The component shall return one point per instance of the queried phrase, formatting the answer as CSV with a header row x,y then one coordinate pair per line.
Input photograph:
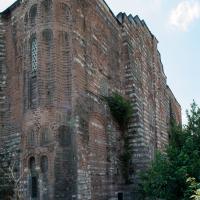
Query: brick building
x,y
57,57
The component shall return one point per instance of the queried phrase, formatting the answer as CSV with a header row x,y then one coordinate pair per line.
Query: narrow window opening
x,y
34,179
64,136
31,138
34,187
120,196
44,136
44,164
33,14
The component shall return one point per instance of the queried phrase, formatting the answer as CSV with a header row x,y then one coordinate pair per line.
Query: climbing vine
x,y
121,111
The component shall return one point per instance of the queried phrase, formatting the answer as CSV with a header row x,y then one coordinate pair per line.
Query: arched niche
x,y
64,136
33,14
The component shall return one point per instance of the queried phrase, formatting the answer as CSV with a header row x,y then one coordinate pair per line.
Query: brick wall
x,y
70,145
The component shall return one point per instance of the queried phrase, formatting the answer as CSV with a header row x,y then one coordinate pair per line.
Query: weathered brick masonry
x,y
57,58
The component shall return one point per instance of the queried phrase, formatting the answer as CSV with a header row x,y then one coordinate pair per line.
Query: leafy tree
x,y
166,178
194,188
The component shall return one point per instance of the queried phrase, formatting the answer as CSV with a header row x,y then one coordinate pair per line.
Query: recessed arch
x,y
44,135
46,6
47,35
64,136
31,140
33,13
44,164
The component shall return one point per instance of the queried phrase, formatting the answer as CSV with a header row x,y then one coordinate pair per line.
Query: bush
x,y
167,177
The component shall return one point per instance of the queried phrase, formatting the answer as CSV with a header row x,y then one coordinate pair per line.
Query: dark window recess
x,y
64,135
84,126
33,179
1,67
32,165
33,13
34,187
44,136
120,196
49,97
44,164
31,138
47,35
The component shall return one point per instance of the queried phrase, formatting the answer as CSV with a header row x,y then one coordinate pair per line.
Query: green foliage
x,y
6,184
166,178
120,108
193,188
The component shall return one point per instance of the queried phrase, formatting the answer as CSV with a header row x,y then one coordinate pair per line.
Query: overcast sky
x,y
176,24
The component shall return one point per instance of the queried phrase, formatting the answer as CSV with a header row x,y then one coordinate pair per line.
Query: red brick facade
x,y
56,60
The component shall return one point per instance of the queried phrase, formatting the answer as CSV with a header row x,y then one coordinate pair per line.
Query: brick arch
x,y
33,14
45,135
65,13
46,6
31,137
97,115
32,163
47,35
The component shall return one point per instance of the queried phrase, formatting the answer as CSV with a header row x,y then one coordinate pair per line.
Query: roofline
x,y
173,95
17,3
111,12
10,8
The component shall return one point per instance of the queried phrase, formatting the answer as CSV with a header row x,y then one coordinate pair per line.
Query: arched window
x,y
44,136
47,35
44,164
65,13
34,55
33,13
32,165
31,137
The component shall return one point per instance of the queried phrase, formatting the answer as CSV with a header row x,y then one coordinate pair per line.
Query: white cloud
x,y
185,13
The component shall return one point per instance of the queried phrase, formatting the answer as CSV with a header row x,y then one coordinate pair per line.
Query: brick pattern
x,y
84,52
9,129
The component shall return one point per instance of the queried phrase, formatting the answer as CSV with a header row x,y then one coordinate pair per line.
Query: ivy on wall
x,y
121,111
